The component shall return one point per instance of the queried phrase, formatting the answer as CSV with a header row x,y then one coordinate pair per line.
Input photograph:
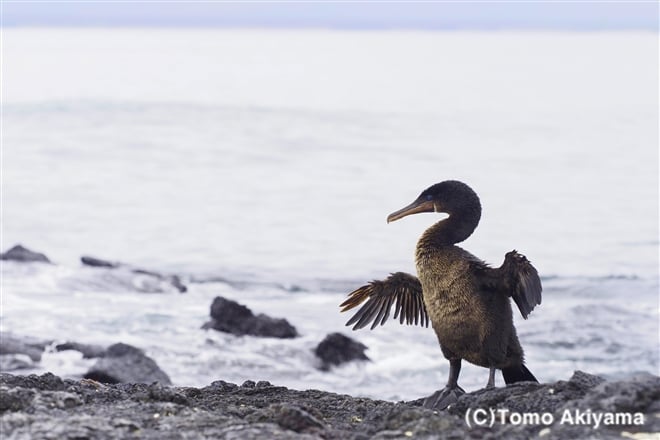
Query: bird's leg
x,y
454,371
441,399
491,378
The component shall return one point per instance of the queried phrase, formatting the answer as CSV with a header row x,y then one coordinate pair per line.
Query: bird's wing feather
x,y
401,288
516,278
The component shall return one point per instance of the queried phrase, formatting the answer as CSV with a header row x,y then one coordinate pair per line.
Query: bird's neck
x,y
454,229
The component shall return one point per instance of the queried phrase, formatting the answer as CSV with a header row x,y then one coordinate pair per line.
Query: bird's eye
x,y
429,197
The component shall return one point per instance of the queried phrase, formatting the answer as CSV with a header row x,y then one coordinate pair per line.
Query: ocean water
x,y
261,165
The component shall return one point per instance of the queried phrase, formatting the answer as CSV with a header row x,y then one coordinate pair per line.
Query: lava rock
x,y
31,347
292,417
48,407
147,281
97,262
88,351
25,255
124,363
231,317
337,349
18,353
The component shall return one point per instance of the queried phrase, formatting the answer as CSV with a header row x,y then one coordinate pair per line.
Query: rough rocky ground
x,y
47,407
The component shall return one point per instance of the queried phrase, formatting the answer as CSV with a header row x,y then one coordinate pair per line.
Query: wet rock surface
x,y
19,352
231,317
336,349
23,254
97,262
89,351
123,363
49,407
151,282
118,363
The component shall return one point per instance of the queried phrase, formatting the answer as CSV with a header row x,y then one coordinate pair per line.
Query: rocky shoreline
x,y
586,406
126,395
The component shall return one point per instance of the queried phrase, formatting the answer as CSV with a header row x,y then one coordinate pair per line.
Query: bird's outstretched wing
x,y
518,279
401,288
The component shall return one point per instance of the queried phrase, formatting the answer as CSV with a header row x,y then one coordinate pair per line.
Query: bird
x,y
467,302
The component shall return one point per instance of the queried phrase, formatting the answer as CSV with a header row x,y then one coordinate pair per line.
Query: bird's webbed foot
x,y
441,399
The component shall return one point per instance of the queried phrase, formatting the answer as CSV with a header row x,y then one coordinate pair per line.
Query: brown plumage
x,y
466,301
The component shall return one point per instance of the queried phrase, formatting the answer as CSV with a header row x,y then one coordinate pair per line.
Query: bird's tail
x,y
517,373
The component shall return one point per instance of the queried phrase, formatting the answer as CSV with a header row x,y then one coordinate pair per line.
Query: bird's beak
x,y
419,205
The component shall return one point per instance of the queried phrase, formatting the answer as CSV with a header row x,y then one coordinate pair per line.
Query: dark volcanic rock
x,y
19,352
529,396
231,317
12,344
157,278
97,262
88,351
19,253
49,407
124,363
337,349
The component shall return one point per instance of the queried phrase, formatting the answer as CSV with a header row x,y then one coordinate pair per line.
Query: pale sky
x,y
572,15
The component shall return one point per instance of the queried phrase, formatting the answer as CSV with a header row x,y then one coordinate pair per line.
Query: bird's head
x,y
450,197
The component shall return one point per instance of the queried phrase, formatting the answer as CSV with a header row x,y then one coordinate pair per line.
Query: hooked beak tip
x,y
415,207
